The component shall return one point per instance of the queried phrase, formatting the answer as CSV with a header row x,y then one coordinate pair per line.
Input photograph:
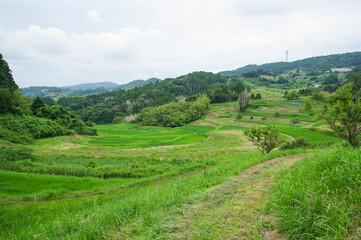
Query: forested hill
x,y
22,119
138,83
321,63
113,106
82,89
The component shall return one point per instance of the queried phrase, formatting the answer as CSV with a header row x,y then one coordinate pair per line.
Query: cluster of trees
x,y
105,107
176,113
257,96
22,119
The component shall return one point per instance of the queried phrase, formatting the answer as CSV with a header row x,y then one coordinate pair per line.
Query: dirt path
x,y
236,208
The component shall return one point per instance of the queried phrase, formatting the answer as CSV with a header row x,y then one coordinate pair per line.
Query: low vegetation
x,y
320,198
174,114
187,166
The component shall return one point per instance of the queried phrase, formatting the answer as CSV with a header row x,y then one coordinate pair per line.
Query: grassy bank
x,y
321,198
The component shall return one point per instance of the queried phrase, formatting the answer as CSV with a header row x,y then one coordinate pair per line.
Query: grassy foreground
x,y
130,180
135,212
321,197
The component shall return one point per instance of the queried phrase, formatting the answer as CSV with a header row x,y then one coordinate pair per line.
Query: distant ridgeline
x,y
114,106
322,63
82,89
22,120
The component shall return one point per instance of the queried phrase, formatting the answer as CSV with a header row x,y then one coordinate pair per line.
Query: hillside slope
x,y
321,63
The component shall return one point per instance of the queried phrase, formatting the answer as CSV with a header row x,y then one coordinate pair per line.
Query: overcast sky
x,y
67,42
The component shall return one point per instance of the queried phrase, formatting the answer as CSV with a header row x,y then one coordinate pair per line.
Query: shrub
x,y
13,154
239,116
295,121
264,139
91,164
297,143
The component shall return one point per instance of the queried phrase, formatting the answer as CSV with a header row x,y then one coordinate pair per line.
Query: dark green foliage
x,y
355,79
103,108
318,96
12,154
37,104
256,73
6,78
259,103
330,88
331,79
23,129
295,121
92,164
297,143
48,122
292,95
238,87
305,92
6,101
48,101
174,114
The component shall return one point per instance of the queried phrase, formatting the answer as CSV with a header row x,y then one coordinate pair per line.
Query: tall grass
x,y
321,197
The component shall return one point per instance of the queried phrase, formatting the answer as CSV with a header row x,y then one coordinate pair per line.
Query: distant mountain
x,y
87,86
138,83
43,91
82,89
321,63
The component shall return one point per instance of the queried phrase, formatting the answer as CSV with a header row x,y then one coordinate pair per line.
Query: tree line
x,y
22,119
104,108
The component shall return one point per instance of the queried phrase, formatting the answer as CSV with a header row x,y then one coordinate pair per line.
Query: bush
x,y
239,116
174,114
13,154
91,164
297,143
295,121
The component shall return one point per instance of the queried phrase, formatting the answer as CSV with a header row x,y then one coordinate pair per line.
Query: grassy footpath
x,y
233,209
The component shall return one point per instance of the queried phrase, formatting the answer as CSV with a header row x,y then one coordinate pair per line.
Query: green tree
x,y
6,101
37,104
264,139
292,95
343,115
6,78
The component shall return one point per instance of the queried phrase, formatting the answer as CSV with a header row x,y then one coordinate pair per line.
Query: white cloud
x,y
93,15
166,38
